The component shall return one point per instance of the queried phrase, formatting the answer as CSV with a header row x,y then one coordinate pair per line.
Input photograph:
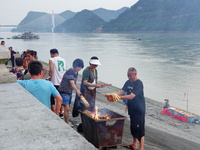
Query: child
x,y
19,70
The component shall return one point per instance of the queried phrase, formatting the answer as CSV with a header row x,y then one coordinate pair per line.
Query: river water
x,y
167,63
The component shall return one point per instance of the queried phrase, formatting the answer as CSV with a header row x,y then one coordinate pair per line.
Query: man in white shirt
x,y
2,46
57,68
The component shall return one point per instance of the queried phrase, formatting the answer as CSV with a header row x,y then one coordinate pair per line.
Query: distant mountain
x,y
67,14
41,22
158,15
108,15
84,21
31,16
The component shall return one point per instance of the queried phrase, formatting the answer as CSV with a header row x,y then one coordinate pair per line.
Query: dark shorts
x,y
52,98
66,98
137,126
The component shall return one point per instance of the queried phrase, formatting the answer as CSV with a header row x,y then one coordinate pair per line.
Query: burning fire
x,y
96,114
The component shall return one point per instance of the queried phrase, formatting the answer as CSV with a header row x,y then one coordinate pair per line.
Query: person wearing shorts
x,y
67,85
67,98
57,68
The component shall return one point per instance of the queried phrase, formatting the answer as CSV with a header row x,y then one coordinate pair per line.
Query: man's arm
x,y
85,82
44,71
127,97
58,103
51,66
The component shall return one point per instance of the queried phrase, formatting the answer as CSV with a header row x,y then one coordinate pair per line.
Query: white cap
x,y
95,62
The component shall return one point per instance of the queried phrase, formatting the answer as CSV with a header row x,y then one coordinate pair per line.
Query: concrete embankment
x,y
27,124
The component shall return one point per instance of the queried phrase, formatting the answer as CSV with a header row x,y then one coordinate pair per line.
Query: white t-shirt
x,y
58,70
3,48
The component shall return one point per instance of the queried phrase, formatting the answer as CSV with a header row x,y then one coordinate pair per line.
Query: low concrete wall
x,y
170,141
25,123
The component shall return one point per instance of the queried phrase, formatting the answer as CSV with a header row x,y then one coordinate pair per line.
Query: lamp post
x,y
186,95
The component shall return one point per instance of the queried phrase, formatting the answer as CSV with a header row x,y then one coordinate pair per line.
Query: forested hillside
x,y
158,15
108,15
84,21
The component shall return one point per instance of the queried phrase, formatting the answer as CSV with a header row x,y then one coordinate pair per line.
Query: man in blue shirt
x,y
39,88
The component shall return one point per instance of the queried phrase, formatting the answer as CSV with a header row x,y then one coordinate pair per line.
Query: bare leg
x,y
135,143
66,113
61,109
142,143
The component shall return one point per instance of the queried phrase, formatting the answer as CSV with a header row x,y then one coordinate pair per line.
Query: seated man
x,y
39,88
166,104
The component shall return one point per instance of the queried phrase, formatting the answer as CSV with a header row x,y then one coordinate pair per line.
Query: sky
x,y
13,11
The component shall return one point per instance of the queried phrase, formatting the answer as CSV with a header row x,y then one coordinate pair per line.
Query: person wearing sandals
x,y
136,107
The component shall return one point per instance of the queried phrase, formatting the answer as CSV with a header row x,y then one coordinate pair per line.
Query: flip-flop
x,y
129,147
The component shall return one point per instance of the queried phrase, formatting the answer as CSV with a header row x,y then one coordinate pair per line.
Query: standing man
x,y
136,107
40,88
57,68
12,57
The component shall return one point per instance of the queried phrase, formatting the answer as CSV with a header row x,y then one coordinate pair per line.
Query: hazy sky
x,y
13,11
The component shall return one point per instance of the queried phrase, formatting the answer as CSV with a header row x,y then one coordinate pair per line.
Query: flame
x,y
96,114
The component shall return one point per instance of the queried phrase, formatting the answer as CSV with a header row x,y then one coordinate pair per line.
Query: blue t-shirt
x,y
40,89
136,106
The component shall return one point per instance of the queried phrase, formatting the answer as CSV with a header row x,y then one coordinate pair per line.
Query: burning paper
x,y
96,114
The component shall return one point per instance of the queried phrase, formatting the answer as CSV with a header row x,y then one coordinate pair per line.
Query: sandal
x,y
129,147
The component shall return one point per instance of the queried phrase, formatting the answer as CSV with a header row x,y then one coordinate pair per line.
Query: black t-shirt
x,y
136,106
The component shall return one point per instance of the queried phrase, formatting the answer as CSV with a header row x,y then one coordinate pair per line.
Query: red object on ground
x,y
180,118
184,119
175,116
168,113
163,111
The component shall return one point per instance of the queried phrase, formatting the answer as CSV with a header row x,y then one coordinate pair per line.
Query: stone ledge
x,y
8,79
28,124
4,55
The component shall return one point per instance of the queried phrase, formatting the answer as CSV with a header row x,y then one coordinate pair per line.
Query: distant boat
x,y
26,35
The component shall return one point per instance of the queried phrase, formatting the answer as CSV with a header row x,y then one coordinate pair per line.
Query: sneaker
x,y
61,116
80,128
71,125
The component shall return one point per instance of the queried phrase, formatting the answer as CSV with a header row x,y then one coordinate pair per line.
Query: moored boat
x,y
26,35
